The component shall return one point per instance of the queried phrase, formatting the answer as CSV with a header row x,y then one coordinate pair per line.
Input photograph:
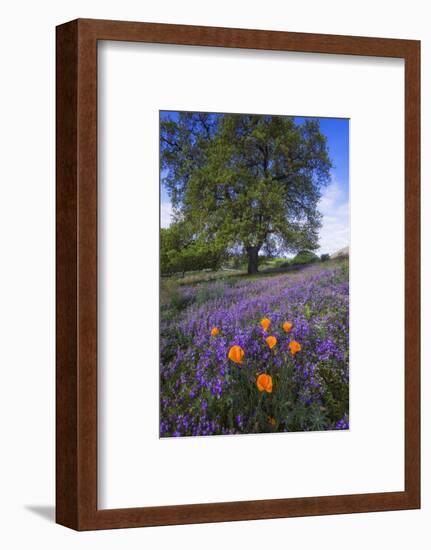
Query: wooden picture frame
x,y
76,208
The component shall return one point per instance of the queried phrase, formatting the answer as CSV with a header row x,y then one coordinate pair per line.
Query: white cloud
x,y
165,213
335,231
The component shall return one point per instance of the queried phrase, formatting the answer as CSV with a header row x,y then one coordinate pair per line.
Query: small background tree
x,y
180,252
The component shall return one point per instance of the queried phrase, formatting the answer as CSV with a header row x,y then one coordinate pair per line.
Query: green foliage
x,y
236,261
171,299
180,252
336,397
247,181
304,257
324,257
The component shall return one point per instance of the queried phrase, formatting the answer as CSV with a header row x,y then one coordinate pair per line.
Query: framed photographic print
x,y
238,274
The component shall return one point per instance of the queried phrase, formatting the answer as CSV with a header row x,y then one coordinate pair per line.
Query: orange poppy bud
x,y
271,341
294,347
215,331
264,382
236,354
265,323
287,327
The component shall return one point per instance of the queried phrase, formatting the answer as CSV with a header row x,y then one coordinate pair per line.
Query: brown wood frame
x,y
76,373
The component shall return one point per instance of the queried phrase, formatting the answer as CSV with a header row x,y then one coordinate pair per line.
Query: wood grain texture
x,y
412,275
67,479
76,457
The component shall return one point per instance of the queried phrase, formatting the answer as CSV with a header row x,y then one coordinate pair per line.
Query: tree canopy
x,y
248,182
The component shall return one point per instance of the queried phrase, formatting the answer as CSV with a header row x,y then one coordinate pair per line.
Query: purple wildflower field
x,y
206,389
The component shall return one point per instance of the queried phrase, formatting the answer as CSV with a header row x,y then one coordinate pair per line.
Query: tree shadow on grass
x,y
272,271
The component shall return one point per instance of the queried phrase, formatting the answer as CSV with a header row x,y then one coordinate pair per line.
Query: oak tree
x,y
248,181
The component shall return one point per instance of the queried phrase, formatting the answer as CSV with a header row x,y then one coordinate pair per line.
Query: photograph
x,y
254,274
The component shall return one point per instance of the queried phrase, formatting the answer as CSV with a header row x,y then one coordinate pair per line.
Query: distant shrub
x,y
304,257
281,262
324,257
179,252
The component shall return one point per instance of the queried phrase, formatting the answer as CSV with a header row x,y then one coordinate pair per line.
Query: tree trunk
x,y
252,252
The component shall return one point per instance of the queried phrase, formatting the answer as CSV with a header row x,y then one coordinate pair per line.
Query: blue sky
x,y
334,204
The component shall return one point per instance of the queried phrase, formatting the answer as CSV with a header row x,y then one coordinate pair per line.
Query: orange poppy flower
x,y
271,341
271,420
215,331
287,327
264,382
294,347
236,354
265,323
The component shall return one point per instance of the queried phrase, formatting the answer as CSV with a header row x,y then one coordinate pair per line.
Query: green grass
x,y
271,267
172,298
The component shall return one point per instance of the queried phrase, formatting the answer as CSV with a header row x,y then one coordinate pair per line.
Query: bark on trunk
x,y
252,252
